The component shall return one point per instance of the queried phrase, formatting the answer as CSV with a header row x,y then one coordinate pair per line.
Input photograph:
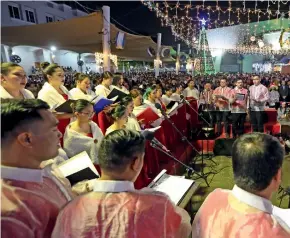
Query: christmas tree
x,y
203,62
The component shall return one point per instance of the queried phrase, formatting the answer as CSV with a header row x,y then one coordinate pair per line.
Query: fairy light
x,y
99,57
184,26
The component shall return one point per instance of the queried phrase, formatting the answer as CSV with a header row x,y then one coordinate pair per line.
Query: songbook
x,y
65,107
175,106
171,104
101,102
174,186
283,214
117,93
148,116
240,96
78,168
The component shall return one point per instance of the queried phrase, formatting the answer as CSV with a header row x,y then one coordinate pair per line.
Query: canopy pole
x,y
177,59
106,38
157,62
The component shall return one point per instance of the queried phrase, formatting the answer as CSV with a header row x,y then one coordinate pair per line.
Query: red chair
x,y
104,121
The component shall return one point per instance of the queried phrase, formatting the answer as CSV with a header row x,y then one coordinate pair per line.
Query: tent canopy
x,y
82,35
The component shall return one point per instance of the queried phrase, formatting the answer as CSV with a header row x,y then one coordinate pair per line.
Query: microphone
x,y
149,135
158,106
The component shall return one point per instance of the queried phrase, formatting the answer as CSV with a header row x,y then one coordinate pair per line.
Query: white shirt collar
x,y
111,186
253,200
22,174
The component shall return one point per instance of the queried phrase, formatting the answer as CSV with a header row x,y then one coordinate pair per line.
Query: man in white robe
x,y
31,197
115,208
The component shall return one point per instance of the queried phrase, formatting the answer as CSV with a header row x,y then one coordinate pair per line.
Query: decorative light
x,y
100,58
217,52
261,43
53,48
253,38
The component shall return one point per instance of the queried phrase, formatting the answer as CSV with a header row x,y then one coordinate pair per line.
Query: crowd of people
x,y
37,201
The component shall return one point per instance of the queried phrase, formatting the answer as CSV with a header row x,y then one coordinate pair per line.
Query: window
x,y
30,16
14,12
49,19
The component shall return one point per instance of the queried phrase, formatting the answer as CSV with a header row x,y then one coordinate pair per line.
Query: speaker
x,y
223,147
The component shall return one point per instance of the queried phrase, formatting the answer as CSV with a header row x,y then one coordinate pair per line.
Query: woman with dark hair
x,y
159,99
104,89
13,82
54,93
118,82
83,87
150,98
120,117
83,134
132,122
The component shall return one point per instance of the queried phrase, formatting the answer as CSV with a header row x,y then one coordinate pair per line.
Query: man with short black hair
x,y
31,197
115,208
246,210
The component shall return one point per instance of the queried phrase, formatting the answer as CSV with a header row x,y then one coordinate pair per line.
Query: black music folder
x,y
65,107
115,92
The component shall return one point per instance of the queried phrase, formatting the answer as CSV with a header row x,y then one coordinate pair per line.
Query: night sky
x,y
139,19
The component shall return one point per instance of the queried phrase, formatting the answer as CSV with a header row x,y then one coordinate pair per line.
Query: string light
x,y
99,57
184,27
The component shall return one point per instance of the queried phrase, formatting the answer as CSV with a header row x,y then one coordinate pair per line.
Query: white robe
x,y
50,95
152,105
191,93
101,90
75,142
139,109
166,100
26,93
79,94
175,97
132,124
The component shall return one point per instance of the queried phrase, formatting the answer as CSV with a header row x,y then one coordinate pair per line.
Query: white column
x,y
106,38
177,59
157,64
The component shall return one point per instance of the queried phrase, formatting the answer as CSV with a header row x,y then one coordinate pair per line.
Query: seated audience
x,y
13,82
115,208
83,134
31,197
246,210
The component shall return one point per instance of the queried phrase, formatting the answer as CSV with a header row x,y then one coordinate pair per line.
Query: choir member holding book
x,y
13,82
115,207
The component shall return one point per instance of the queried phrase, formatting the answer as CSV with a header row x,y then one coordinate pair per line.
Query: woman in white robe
x,y
104,89
13,82
139,106
120,117
54,93
118,82
83,134
132,123
82,89
150,99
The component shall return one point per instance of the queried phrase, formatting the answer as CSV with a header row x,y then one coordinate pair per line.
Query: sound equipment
x,y
223,146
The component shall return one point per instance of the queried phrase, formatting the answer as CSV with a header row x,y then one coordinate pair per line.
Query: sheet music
x,y
283,214
76,164
174,187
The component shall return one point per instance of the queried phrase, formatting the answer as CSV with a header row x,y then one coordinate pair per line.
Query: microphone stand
x,y
183,138
206,133
189,170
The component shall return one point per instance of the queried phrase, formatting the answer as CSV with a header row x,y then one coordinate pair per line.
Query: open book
x,y
101,102
78,168
174,186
